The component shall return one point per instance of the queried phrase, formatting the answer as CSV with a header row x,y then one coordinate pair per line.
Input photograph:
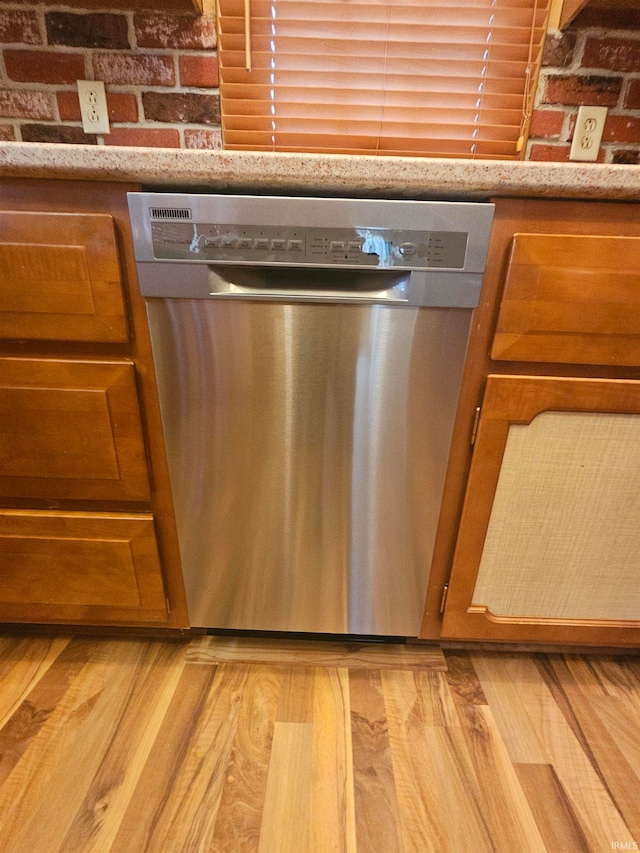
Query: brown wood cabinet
x,y
87,534
86,567
60,278
539,533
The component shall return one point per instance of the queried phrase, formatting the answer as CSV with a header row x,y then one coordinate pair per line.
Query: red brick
x,y
614,54
205,139
16,103
97,30
576,90
608,18
558,153
627,157
199,71
175,31
621,129
121,107
546,123
7,133
123,69
558,49
144,137
181,106
632,98
19,27
57,133
39,66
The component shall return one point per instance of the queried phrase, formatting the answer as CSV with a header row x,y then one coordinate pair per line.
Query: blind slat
x,y
427,78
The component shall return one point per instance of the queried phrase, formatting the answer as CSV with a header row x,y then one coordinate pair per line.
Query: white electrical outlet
x,y
588,133
93,106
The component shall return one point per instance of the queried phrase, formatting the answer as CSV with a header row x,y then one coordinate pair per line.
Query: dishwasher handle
x,y
309,284
427,288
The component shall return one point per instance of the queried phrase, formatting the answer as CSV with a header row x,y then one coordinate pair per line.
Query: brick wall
x,y
160,71
588,66
161,76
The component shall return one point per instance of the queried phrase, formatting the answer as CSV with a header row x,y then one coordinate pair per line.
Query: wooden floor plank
x,y
598,815
96,822
609,762
552,810
170,749
187,820
622,724
508,815
621,678
239,818
46,692
420,784
316,653
332,809
295,703
376,802
55,772
286,816
27,662
462,679
501,677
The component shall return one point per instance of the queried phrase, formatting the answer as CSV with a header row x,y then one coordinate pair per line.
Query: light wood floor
x,y
128,746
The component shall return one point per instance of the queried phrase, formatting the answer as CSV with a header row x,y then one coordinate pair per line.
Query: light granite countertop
x,y
320,174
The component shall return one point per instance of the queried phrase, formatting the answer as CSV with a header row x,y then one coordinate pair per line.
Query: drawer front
x,y
571,299
79,567
71,430
60,278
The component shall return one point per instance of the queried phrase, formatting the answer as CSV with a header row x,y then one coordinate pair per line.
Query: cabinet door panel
x,y
549,542
77,566
71,430
60,278
571,299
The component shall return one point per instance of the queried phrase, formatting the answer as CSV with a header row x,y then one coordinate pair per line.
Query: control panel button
x,y
245,243
355,246
337,246
278,243
407,249
261,243
211,243
295,245
227,241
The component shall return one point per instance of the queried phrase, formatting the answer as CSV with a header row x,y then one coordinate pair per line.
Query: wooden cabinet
x,y
88,567
71,429
539,533
60,278
549,542
87,534
571,299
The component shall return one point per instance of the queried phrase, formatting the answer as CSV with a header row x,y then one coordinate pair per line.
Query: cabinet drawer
x,y
79,567
60,278
571,299
71,430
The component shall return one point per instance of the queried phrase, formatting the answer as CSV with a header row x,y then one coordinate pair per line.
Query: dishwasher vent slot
x,y
170,213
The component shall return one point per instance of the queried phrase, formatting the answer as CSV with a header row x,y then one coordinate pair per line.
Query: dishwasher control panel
x,y
300,246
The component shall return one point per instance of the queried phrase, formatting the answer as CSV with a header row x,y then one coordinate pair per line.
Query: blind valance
x,y
434,77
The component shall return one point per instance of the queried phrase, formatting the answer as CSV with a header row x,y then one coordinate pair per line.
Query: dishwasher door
x,y
307,446
309,355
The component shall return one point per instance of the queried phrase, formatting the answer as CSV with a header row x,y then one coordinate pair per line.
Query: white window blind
x,y
442,78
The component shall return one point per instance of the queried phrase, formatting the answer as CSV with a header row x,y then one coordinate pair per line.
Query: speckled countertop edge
x,y
397,177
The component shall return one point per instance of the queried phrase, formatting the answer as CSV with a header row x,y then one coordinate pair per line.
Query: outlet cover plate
x,y
93,106
588,133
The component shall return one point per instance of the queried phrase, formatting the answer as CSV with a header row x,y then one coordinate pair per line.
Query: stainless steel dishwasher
x,y
309,355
